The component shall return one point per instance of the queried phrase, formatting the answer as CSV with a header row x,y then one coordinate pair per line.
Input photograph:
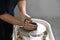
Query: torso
x,y
11,6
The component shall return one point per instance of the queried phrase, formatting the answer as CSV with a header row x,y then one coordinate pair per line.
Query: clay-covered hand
x,y
30,26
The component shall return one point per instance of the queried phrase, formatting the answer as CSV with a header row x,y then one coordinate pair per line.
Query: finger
x,y
31,26
34,26
29,19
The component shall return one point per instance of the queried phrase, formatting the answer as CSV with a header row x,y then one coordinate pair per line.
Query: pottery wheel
x,y
41,28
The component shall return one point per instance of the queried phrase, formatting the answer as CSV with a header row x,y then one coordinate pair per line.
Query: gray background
x,y
48,10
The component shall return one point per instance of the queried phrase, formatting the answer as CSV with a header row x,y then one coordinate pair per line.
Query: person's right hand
x,y
29,26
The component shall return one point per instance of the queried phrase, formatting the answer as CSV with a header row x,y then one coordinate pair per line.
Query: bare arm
x,y
22,8
10,19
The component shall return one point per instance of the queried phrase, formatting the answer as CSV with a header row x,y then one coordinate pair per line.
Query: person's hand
x,y
30,26
27,22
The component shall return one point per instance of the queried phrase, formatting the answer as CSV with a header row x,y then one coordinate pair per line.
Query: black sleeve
x,y
3,6
2,11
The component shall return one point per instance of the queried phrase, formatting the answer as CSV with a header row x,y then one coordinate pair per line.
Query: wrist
x,y
20,23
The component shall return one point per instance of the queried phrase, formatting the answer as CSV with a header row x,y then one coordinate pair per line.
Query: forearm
x,y
10,19
22,6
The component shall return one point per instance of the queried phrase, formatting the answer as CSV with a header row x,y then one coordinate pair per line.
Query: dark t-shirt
x,y
7,6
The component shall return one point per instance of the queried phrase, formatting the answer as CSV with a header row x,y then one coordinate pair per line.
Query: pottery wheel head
x,y
40,29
